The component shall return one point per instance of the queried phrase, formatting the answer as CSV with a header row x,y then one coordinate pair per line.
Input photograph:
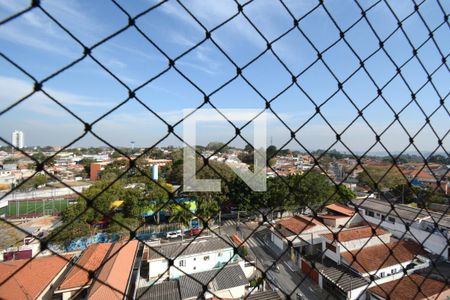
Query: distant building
x,y
17,139
96,168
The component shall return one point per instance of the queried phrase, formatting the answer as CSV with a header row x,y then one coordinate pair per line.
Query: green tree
x,y
345,194
207,209
385,177
310,189
34,182
181,215
270,152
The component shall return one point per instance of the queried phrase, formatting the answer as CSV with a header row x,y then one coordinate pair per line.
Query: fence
x,y
410,57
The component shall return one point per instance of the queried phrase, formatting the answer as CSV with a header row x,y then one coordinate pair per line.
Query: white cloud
x,y
12,89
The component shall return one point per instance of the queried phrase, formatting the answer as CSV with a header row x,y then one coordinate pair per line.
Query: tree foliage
x,y
382,175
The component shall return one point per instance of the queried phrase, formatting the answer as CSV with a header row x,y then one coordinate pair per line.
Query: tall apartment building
x,y
17,139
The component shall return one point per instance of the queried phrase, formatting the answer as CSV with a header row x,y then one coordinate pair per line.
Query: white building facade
x,y
17,139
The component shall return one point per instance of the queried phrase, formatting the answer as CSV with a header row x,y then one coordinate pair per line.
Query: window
x,y
331,247
370,213
391,219
382,274
220,254
206,257
182,263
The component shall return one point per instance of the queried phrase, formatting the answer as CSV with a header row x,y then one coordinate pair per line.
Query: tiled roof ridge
x,y
99,270
80,269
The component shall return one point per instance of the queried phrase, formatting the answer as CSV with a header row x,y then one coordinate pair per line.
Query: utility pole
x,y
220,220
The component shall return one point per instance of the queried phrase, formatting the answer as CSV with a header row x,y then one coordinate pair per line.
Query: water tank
x,y
155,172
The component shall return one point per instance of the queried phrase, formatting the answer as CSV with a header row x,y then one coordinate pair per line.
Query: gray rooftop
x,y
266,295
407,213
187,248
341,276
217,280
167,290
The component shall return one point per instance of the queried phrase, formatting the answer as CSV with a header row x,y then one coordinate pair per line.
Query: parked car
x,y
276,268
173,234
195,231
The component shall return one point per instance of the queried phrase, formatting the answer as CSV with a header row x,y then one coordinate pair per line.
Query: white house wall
x,y
360,243
192,264
435,242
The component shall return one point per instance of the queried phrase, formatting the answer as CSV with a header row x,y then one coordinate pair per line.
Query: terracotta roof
x,y
354,234
331,217
373,258
342,209
298,224
114,276
406,288
90,260
30,281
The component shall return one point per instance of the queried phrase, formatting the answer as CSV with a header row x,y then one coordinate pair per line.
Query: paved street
x,y
288,276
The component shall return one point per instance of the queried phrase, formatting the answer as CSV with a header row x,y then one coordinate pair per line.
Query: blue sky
x,y
38,45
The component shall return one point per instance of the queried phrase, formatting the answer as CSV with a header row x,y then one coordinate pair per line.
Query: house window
x,y
382,274
206,257
182,263
391,219
331,247
220,254
370,213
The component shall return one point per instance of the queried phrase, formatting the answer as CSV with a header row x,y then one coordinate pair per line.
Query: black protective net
x,y
422,54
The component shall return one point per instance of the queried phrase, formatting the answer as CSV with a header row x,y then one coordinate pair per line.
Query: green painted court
x,y
35,208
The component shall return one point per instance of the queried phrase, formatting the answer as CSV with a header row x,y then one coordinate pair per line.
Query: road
x,y
288,276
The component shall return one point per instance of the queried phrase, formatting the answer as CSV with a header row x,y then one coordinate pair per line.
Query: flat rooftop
x,y
407,213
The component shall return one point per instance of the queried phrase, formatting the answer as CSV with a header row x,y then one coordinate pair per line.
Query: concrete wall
x,y
277,241
357,294
192,264
358,244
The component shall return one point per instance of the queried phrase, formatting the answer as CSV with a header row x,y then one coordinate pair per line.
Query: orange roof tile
x,y
406,288
298,224
374,257
354,234
114,276
90,260
30,281
342,209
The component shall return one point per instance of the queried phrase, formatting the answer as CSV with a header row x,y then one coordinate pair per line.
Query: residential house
x,y
188,257
303,232
228,282
34,278
431,229
408,288
117,278
77,281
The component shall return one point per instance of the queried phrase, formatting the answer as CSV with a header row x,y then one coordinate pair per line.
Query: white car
x,y
173,234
